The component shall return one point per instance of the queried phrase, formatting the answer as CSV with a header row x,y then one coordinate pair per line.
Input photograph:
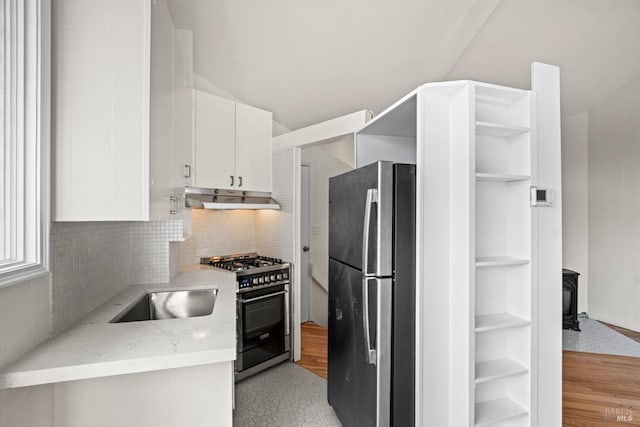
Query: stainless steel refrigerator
x,y
372,295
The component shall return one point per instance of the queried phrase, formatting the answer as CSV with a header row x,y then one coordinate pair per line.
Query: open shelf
x,y
497,261
481,176
498,129
492,370
494,322
502,288
499,410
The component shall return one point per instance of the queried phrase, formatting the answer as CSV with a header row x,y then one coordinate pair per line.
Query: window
x,y
24,129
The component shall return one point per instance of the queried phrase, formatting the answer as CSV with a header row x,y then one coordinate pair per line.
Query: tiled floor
x,y
598,338
285,395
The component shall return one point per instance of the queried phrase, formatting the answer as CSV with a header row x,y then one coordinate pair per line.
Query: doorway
x,y
317,163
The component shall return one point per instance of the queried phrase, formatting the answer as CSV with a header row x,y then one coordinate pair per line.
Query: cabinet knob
x,y
231,180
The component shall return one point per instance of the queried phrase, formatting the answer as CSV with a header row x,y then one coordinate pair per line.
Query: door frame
x,y
308,272
328,131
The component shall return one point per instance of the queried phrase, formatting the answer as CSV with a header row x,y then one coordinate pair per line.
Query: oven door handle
x,y
245,301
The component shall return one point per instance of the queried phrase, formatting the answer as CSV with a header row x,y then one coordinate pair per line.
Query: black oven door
x,y
263,325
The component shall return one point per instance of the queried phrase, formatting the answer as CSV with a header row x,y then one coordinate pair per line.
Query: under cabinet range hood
x,y
213,198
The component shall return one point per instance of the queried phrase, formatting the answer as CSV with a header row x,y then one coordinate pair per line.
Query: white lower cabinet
x,y
196,396
232,145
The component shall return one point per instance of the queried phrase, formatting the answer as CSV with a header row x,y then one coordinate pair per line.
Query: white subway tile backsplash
x,y
150,250
93,261
274,229
90,262
219,233
174,259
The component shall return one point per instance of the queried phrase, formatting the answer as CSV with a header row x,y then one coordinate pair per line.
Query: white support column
x,y
545,82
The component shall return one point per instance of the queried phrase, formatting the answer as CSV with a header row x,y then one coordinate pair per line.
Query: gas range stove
x,y
252,270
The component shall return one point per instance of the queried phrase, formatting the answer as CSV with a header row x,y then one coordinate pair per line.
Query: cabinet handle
x,y
240,180
187,171
231,180
174,205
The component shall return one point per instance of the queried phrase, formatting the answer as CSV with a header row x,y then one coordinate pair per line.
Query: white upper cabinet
x,y
253,148
232,145
182,110
214,152
162,199
101,72
122,79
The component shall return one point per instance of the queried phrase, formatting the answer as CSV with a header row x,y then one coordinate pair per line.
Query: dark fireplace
x,y
570,300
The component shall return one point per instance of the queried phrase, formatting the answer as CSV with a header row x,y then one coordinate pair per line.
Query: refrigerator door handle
x,y
372,197
370,352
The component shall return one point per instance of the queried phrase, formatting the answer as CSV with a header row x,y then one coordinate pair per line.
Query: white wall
x,y
575,206
614,208
25,321
325,160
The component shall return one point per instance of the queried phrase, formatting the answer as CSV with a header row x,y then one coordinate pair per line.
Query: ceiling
x,y
312,61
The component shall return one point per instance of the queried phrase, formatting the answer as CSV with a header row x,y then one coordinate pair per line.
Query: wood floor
x,y
598,390
314,348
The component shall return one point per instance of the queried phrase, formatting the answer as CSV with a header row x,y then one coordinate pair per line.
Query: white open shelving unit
x,y
503,352
488,263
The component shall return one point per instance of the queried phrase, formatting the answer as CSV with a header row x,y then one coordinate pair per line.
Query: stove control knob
x,y
255,280
273,277
261,280
279,276
266,279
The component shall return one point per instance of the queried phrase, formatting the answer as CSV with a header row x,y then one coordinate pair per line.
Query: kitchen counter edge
x,y
94,348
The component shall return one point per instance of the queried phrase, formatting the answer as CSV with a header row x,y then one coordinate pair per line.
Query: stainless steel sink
x,y
174,304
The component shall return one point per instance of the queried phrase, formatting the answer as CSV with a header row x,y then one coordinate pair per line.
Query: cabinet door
x,y
161,126
253,148
214,152
182,111
101,109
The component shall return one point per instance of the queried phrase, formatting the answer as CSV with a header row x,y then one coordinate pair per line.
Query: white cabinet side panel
x,y
214,154
253,148
462,261
432,263
546,85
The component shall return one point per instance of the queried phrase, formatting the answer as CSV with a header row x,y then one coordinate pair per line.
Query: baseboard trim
x,y
623,323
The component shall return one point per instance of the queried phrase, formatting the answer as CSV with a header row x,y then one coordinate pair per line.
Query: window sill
x,y
22,274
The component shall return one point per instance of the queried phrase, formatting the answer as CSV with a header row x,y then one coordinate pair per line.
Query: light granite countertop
x,y
93,347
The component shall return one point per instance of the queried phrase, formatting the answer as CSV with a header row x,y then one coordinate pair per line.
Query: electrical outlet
x,y
316,229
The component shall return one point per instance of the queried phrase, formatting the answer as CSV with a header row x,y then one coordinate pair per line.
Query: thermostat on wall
x,y
541,196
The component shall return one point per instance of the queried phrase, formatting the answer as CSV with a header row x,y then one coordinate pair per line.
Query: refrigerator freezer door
x,y
347,207
358,391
